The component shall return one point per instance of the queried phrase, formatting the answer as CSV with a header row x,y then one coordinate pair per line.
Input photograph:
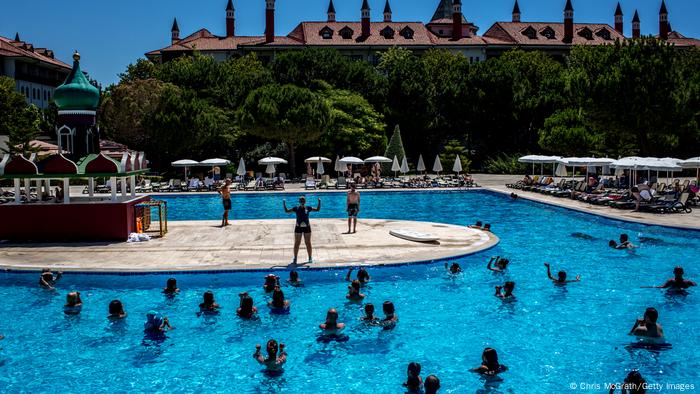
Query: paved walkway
x,y
252,244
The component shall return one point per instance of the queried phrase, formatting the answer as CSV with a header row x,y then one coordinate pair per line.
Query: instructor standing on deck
x,y
303,226
353,206
225,192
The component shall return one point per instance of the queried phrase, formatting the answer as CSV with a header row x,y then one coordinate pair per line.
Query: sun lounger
x,y
251,185
342,183
310,184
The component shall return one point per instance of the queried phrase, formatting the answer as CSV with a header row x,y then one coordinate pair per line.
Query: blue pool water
x,y
550,338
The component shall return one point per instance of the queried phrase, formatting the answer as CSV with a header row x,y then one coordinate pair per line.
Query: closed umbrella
x,y
319,168
437,167
395,166
561,170
270,169
457,167
338,165
404,165
240,171
421,164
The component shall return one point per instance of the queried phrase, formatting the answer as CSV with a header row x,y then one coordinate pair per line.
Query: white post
x,y
132,185
123,182
18,190
66,191
113,187
27,188
91,187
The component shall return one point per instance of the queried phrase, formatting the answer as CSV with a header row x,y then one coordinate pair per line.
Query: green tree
x,y
142,69
449,155
566,133
18,119
394,148
285,113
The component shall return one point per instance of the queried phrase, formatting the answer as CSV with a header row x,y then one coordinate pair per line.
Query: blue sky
x,y
112,34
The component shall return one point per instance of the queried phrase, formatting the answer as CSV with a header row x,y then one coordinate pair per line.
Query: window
x,y
33,93
46,95
530,33
603,33
387,33
549,33
407,33
440,32
326,33
586,33
346,33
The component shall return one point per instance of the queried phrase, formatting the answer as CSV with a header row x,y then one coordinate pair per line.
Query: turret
x,y
17,37
619,26
456,19
387,12
663,21
230,19
269,21
331,11
174,32
365,19
568,22
516,12
636,32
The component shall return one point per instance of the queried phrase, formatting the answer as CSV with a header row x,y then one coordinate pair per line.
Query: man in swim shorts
x,y
677,282
353,206
225,192
303,226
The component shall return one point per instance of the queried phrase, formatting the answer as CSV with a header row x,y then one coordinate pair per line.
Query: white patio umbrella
x,y
395,165
316,159
240,171
421,165
350,160
437,167
378,159
538,159
215,162
457,167
404,165
272,160
585,161
186,163
693,162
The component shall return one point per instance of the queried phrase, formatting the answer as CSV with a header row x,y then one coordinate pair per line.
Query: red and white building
x,y
365,37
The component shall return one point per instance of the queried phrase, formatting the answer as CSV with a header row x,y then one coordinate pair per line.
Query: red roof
x,y
309,33
204,40
680,40
517,33
12,48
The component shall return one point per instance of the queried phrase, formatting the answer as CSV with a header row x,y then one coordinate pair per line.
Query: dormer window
x,y
407,33
326,33
586,33
387,33
346,33
604,34
530,33
549,33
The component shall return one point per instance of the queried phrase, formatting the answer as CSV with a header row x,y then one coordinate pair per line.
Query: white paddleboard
x,y
414,236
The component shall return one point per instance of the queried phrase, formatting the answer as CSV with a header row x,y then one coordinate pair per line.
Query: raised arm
x,y
318,207
258,356
347,277
284,205
488,266
549,272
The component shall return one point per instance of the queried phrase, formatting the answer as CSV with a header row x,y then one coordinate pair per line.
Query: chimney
x,y
365,19
270,21
618,19
663,21
456,19
387,12
174,32
516,12
17,37
331,12
635,25
568,22
230,19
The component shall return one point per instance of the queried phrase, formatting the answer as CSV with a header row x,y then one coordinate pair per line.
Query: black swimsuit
x,y
302,225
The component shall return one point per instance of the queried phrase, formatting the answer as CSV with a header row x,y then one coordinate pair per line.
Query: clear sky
x,y
112,34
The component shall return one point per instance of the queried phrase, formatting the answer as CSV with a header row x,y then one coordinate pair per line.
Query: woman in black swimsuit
x,y
303,226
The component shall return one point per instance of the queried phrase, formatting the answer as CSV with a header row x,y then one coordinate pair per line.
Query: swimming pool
x,y
550,338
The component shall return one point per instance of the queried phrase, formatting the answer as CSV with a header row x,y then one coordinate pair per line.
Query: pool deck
x,y
252,244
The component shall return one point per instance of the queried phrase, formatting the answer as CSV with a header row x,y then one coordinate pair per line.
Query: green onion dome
x,y
76,93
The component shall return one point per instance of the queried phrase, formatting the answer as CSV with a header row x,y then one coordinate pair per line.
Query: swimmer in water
x,y
362,276
116,310
454,268
582,236
271,281
171,287
294,279
354,291
647,329
513,196
624,243
73,304
47,279
487,227
390,318
677,282
208,305
431,385
413,381
500,264
489,363
369,314
278,302
331,325
246,309
274,360
561,276
634,384
476,225
156,324
507,293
